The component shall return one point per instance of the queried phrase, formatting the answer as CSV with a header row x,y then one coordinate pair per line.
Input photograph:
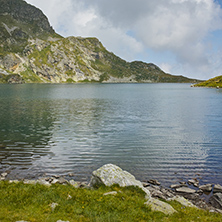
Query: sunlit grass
x,y
34,203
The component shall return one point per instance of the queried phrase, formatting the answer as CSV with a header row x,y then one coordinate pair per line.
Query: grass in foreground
x,y
34,203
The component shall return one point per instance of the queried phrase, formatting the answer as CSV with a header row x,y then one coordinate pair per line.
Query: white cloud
x,y
180,27
166,67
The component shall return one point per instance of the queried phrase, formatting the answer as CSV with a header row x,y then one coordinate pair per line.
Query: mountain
x,y
31,51
215,82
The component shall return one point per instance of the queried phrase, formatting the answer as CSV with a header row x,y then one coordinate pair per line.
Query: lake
x,y
168,132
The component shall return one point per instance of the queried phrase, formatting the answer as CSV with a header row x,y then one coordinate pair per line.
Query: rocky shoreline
x,y
189,193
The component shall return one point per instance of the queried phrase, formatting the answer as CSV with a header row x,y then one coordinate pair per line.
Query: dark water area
x,y
169,132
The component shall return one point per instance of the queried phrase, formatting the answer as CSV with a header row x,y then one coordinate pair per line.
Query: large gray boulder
x,y
110,174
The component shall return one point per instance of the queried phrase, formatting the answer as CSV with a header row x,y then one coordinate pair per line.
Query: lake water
x,y
169,132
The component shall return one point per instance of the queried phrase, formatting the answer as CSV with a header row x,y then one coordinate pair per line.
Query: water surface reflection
x,y
167,132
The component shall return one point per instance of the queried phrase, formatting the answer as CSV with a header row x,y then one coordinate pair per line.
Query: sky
x,y
182,37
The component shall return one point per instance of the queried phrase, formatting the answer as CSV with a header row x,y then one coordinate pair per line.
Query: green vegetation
x,y
214,82
9,78
69,80
30,77
34,203
41,57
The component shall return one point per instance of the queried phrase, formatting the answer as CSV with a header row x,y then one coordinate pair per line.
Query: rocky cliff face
x,y
30,49
25,13
19,22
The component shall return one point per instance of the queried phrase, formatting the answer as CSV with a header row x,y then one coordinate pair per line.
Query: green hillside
x,y
214,82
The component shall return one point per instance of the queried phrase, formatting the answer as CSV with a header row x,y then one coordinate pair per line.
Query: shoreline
x,y
200,196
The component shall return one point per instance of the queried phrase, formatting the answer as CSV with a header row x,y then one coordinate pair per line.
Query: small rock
x,y
110,193
174,186
74,184
69,197
21,221
49,179
206,187
185,190
62,180
61,221
53,206
157,205
216,200
183,201
54,181
56,176
217,188
183,183
71,174
167,193
43,182
4,174
145,184
200,192
13,181
156,192
195,182
33,182
154,182
83,185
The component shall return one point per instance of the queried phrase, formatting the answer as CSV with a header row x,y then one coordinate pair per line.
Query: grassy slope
x,y
214,82
33,203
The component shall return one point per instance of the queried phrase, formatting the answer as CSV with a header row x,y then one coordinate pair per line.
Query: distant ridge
x,y
215,82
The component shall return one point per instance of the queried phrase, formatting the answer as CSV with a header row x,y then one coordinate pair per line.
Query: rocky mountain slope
x,y
31,51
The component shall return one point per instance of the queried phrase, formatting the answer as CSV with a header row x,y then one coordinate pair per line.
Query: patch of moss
x,y
69,73
70,80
